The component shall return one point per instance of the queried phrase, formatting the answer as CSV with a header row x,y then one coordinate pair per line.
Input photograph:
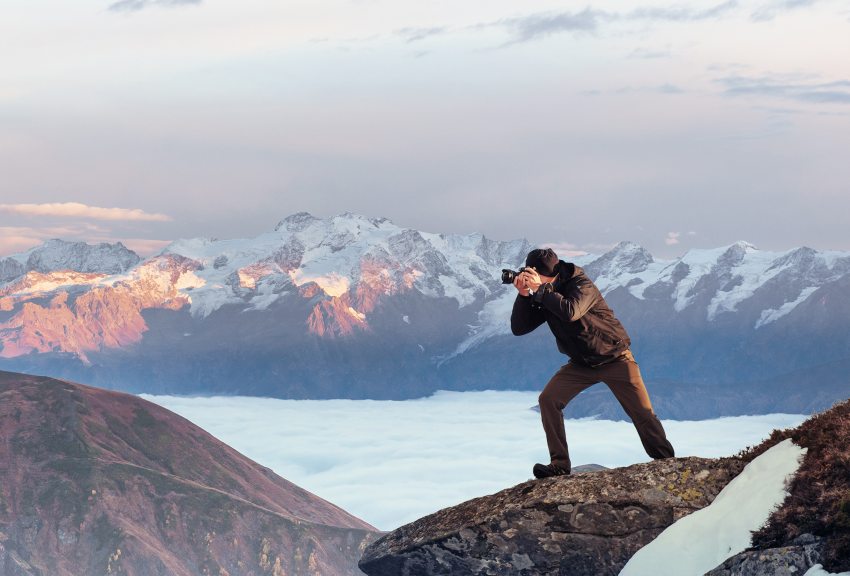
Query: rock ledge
x,y
588,523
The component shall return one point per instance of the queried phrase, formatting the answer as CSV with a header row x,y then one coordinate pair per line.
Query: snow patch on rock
x,y
701,541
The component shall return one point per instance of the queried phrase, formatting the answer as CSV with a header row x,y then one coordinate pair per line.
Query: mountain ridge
x,y
350,298
130,487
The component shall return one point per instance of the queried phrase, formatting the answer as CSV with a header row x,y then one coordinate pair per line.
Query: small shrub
x,y
819,495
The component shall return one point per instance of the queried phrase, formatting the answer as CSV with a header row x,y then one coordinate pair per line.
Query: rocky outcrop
x,y
99,482
793,560
589,523
592,523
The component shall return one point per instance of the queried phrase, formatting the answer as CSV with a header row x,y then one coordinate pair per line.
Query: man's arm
x,y
524,318
574,305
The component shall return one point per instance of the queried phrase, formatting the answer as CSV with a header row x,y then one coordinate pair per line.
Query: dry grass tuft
x,y
819,500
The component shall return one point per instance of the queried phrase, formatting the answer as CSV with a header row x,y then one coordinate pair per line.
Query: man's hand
x,y
519,284
532,279
527,281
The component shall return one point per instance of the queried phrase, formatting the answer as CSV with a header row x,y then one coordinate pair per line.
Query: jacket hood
x,y
567,270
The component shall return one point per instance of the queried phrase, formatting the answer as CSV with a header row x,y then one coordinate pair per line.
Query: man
x,y
586,330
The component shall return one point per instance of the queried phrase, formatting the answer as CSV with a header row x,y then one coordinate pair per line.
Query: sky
x,y
675,125
391,462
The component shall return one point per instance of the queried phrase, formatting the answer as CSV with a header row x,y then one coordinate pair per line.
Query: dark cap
x,y
544,260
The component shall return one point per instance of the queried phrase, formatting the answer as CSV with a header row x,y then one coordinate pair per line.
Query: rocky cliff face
x,y
79,313
98,482
587,524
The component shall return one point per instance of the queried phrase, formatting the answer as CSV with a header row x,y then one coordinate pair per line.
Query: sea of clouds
x,y
391,462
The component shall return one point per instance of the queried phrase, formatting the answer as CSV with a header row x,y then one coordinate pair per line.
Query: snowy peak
x,y
57,255
718,280
344,264
11,268
347,264
735,255
624,258
300,221
296,222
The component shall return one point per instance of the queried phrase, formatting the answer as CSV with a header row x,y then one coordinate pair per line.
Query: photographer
x,y
585,329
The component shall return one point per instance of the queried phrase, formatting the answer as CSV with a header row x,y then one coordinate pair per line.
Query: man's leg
x,y
624,379
562,387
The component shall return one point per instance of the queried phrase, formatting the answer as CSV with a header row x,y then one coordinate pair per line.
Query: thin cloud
x,y
681,14
837,92
626,90
647,54
416,34
136,5
79,210
770,10
537,26
672,238
588,21
669,89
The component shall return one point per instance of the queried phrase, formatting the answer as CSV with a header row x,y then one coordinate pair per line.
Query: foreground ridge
x,y
588,523
100,482
593,523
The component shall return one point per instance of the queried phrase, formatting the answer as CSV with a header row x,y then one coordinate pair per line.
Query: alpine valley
x,y
357,307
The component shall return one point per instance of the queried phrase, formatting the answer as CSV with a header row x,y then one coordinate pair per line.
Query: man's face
x,y
545,279
542,277
530,279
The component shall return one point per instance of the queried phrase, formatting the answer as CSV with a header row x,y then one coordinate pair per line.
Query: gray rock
x,y
584,524
786,561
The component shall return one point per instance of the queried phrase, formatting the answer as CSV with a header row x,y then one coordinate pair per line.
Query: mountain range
x,y
358,307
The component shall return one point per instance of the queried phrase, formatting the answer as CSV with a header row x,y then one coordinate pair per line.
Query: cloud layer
x,y
136,5
792,87
392,462
78,210
541,25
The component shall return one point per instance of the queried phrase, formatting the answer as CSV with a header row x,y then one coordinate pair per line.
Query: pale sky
x,y
675,125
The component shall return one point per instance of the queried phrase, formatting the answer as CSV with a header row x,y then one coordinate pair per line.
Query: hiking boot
x,y
547,470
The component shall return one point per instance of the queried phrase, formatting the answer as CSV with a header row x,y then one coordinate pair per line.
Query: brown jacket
x,y
585,328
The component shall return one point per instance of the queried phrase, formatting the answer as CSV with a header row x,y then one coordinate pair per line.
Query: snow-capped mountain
x,y
352,306
58,254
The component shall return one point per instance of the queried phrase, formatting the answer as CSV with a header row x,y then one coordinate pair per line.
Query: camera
x,y
509,275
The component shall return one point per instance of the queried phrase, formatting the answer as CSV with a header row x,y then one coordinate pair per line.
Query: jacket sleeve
x,y
524,318
575,304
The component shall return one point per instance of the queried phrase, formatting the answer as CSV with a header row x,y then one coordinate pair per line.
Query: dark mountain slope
x,y
99,482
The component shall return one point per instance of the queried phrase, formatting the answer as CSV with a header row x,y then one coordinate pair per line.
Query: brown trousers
x,y
623,378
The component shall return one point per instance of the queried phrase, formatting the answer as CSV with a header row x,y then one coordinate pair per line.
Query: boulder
x,y
794,560
588,523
